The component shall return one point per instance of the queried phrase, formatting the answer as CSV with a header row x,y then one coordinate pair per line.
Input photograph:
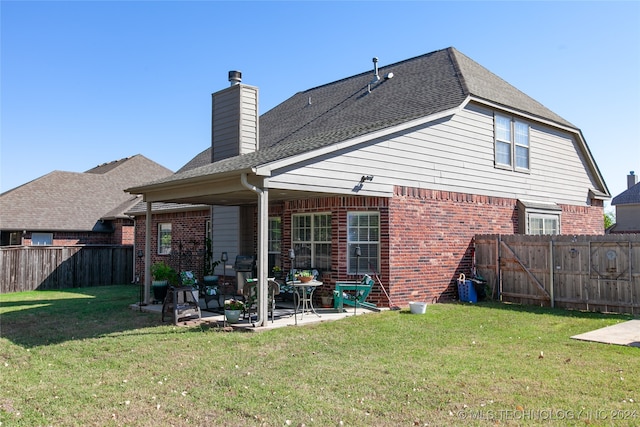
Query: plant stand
x,y
181,304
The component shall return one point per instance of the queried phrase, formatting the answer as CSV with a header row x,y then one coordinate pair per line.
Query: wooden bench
x,y
353,294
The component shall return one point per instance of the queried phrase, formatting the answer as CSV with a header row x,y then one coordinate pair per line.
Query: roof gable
x,y
355,107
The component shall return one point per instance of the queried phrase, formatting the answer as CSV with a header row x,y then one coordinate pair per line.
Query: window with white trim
x,y
538,218
543,224
274,244
164,238
363,232
511,142
311,239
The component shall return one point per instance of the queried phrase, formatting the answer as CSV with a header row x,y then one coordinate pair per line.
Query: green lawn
x,y
83,358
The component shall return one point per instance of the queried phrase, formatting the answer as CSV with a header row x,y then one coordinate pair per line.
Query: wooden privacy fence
x,y
595,273
27,268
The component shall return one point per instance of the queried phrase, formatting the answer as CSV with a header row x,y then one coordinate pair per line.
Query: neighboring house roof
x,y
630,196
421,88
140,208
71,201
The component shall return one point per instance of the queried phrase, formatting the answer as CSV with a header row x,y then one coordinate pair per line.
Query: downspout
x,y
147,255
263,215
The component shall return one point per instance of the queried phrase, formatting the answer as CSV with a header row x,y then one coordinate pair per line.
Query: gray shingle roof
x,y
629,196
421,86
76,201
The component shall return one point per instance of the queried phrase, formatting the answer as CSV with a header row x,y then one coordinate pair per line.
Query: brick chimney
x,y
632,180
234,119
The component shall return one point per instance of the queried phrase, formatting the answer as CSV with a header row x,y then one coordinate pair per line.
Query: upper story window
x,y
164,238
511,143
311,238
364,233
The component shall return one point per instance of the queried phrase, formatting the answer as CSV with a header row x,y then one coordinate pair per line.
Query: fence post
x,y
551,274
498,269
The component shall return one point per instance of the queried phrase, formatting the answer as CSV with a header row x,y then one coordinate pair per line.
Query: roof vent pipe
x,y
376,76
235,77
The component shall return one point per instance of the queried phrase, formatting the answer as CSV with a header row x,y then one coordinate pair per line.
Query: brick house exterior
x,y
420,152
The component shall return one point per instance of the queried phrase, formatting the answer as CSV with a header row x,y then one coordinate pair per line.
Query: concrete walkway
x,y
627,333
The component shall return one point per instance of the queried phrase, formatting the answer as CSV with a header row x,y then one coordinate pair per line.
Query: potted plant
x,y
233,309
162,275
305,276
276,271
326,297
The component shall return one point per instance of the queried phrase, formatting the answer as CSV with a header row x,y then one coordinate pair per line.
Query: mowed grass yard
x,y
82,358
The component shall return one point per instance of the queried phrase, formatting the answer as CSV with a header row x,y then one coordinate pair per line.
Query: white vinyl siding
x,y
456,153
225,223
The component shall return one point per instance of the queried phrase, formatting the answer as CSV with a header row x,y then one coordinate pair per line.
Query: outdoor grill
x,y
244,266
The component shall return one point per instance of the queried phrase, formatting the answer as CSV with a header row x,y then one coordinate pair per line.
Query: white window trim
x,y
543,217
352,244
531,209
274,220
160,234
296,243
512,144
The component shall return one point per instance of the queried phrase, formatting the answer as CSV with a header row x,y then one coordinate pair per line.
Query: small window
x,y
511,142
41,239
538,218
364,233
164,239
543,224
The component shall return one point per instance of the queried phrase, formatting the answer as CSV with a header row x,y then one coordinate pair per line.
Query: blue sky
x,y
87,82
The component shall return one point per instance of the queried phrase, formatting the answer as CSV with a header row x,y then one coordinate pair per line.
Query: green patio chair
x,y
353,294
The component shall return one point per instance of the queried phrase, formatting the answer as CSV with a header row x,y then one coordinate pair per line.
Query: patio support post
x,y
147,255
263,261
263,266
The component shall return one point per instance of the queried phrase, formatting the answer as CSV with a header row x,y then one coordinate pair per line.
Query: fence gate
x,y
597,273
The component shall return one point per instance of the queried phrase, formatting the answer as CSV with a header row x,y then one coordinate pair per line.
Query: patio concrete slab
x,y
284,315
626,333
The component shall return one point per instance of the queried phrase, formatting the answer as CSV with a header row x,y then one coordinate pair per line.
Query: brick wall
x,y
431,237
122,235
188,231
582,219
426,236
